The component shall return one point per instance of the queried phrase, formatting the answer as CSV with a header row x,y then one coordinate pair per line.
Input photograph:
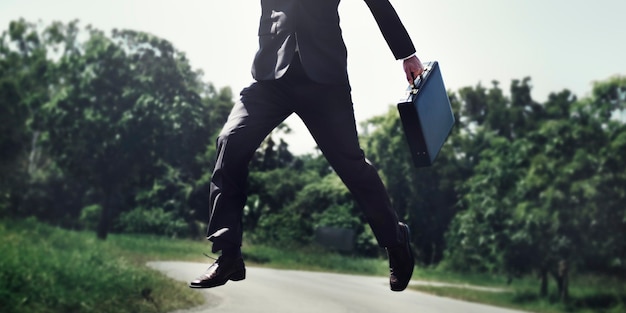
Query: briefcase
x,y
426,115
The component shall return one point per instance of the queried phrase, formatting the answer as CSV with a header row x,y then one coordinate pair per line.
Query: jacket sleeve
x,y
392,28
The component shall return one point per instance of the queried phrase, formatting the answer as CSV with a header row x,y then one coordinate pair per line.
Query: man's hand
x,y
412,68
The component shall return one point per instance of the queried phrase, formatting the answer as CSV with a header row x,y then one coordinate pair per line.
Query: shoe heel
x,y
241,275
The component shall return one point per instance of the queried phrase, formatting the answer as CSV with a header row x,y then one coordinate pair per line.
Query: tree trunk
x,y
562,280
103,224
543,291
105,215
34,154
433,253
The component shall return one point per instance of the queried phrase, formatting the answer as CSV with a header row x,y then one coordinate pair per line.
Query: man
x,y
300,68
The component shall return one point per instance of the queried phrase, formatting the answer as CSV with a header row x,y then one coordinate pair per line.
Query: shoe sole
x,y
236,276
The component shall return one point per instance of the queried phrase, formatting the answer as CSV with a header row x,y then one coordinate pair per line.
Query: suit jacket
x,y
312,27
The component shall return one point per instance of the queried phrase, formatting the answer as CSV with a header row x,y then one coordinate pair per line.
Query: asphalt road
x,y
282,291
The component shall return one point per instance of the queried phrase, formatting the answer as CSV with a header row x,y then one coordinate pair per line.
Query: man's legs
x,y
327,112
259,110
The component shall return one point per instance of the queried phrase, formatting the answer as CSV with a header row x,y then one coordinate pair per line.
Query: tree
x,y
480,233
25,77
127,108
607,218
535,202
13,130
276,176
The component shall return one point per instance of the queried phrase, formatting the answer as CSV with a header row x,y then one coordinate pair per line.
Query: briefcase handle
x,y
417,83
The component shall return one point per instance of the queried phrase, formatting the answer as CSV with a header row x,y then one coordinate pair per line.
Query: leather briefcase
x,y
426,115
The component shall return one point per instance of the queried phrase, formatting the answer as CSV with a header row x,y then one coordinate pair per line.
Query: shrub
x,y
89,216
155,221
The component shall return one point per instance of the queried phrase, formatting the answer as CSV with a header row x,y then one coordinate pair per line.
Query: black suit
x,y
314,24
300,68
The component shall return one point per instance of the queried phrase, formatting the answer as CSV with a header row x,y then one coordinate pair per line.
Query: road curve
x,y
283,291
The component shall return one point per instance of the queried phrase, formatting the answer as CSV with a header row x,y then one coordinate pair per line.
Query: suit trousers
x,y
327,112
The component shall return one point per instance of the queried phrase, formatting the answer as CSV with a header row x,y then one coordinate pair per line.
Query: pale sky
x,y
560,44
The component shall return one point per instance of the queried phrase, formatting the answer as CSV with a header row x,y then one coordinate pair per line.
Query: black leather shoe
x,y
401,261
221,271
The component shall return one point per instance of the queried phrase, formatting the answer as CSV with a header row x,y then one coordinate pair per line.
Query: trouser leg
x,y
253,117
328,113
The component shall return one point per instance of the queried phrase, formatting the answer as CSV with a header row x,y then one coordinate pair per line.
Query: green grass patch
x,y
143,248
587,294
501,299
313,259
46,269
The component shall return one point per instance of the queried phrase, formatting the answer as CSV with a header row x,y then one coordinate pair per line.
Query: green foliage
x,y
44,269
116,113
314,259
153,221
291,197
24,81
479,235
131,107
538,197
272,191
269,214
89,216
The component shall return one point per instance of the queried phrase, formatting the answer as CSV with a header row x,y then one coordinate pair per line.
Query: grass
x,y
313,259
587,294
47,269
528,300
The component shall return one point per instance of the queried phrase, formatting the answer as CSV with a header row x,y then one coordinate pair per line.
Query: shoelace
x,y
207,270
210,257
